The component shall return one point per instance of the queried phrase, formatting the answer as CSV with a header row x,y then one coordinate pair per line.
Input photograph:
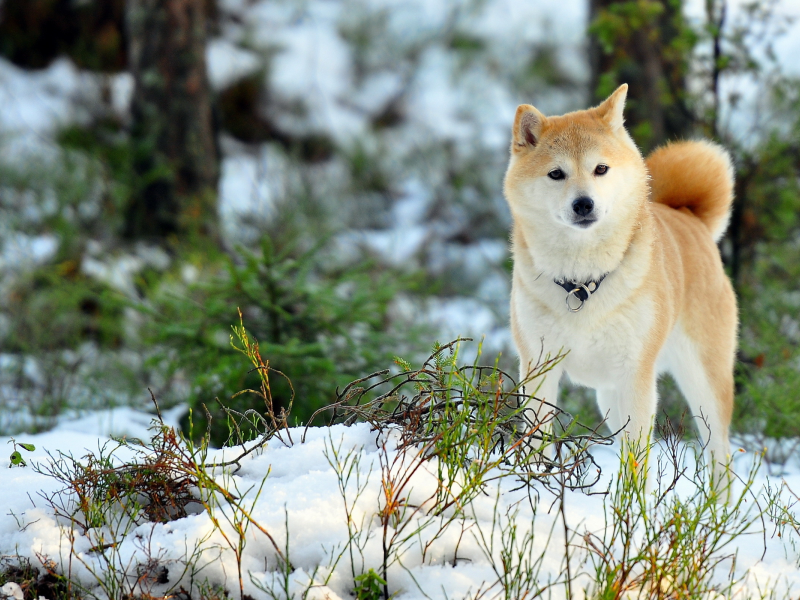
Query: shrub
x,y
321,330
765,264
57,307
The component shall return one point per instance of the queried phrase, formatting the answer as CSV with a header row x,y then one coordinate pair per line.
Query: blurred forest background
x,y
333,168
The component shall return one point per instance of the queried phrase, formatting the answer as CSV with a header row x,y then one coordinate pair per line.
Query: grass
x,y
448,436
666,545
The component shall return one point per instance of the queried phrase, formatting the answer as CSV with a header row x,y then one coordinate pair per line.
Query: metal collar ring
x,y
573,293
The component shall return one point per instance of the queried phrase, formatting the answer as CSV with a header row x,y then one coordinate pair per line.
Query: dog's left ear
x,y
612,107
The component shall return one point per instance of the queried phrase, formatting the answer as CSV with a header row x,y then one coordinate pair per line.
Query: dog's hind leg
x,y
707,385
704,402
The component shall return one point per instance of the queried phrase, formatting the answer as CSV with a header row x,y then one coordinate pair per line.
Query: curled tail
x,y
697,175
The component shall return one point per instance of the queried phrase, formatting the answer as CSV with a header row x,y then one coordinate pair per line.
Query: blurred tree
x,y
176,154
34,32
646,44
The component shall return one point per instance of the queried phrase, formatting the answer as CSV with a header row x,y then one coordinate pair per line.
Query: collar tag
x,y
578,292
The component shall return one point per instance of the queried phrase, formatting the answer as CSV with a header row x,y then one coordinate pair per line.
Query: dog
x,y
616,265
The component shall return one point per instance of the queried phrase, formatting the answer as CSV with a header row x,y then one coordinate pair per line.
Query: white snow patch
x,y
300,492
396,246
313,66
122,421
119,270
22,252
122,87
228,63
39,101
12,590
465,317
36,103
249,188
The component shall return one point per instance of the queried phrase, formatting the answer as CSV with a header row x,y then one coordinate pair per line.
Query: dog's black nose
x,y
583,206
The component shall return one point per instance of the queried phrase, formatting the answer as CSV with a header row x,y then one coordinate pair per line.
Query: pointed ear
x,y
612,107
528,124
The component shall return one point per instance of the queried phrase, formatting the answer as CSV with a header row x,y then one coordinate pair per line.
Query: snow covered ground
x,y
302,505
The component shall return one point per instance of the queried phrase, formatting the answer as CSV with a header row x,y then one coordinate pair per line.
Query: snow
x,y
39,101
248,188
506,21
119,422
339,86
21,252
12,590
396,246
311,68
120,270
300,499
468,317
227,63
121,87
746,115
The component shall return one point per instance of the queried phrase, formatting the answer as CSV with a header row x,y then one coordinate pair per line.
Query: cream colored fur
x,y
665,304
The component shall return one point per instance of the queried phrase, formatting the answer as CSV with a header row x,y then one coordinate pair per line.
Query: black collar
x,y
580,290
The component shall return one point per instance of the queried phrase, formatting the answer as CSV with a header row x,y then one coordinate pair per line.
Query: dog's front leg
x,y
630,409
539,410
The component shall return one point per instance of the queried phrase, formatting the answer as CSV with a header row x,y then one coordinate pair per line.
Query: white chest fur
x,y
604,341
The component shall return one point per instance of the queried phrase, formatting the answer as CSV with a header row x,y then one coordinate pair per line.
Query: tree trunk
x,y
647,45
176,158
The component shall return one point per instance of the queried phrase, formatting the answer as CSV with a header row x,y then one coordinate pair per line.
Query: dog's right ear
x,y
528,124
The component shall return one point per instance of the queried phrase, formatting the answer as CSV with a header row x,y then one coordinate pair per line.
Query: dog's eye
x,y
601,169
556,174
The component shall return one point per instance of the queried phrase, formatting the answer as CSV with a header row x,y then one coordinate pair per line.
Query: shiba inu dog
x,y
615,261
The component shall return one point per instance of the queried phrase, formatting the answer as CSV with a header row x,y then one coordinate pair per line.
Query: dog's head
x,y
579,175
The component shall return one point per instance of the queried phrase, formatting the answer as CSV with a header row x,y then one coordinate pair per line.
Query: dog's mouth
x,y
584,222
